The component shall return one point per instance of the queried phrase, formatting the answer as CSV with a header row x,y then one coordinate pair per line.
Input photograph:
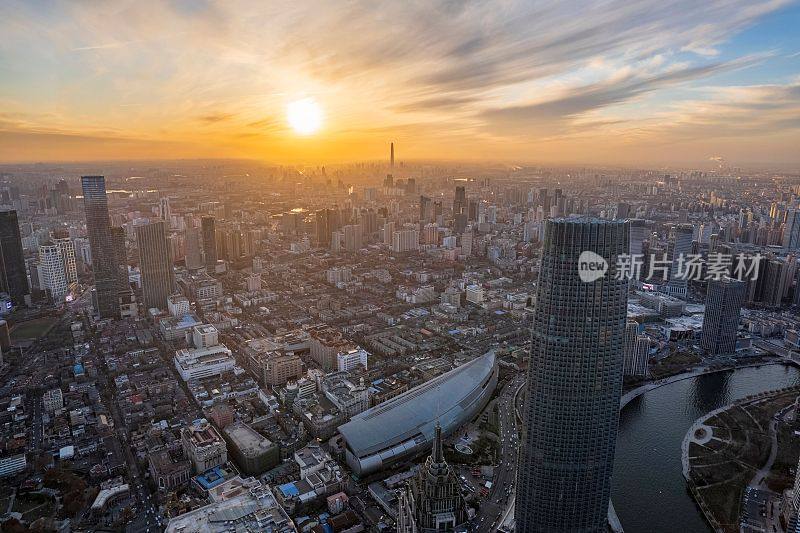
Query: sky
x,y
631,82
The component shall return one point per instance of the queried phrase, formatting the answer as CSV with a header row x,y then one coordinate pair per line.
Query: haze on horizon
x,y
615,82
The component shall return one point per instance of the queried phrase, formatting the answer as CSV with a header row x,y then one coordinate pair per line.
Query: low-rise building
x,y
254,453
203,446
198,363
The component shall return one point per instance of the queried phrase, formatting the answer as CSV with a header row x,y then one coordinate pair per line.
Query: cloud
x,y
450,70
557,113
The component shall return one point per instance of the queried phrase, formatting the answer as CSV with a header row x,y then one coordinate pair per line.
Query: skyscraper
x,y
724,300
207,225
574,379
679,248
791,230
158,279
460,201
95,204
52,278
194,255
13,278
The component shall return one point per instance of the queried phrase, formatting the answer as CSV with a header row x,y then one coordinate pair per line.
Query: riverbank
x,y
648,487
729,448
638,391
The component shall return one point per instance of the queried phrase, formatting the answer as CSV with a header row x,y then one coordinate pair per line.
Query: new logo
x,y
591,266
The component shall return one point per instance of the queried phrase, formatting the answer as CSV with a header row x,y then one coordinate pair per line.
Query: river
x,y
649,491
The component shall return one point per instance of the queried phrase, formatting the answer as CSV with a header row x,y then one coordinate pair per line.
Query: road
x,y
496,505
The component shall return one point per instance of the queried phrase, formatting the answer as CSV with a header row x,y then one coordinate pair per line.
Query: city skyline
x,y
608,83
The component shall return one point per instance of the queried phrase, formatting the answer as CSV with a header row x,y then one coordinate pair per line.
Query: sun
x,y
304,116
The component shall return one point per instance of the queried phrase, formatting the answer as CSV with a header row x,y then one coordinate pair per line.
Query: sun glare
x,y
304,116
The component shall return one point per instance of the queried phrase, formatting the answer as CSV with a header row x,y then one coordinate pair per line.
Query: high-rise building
x,y
194,252
120,261
460,201
158,279
791,230
434,499
208,227
678,250
425,209
352,237
574,379
164,210
95,204
67,249
13,278
405,240
637,348
52,276
724,300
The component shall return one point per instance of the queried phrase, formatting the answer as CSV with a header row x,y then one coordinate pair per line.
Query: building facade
x,y
574,381
724,299
95,204
155,264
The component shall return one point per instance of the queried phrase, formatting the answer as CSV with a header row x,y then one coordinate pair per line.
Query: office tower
x,y
158,279
120,260
623,210
460,201
775,279
207,225
324,227
791,230
95,204
679,248
425,209
724,300
13,278
194,252
52,276
391,156
472,214
574,379
639,234
434,499
637,348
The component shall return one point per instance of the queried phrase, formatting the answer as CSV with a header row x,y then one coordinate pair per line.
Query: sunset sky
x,y
628,82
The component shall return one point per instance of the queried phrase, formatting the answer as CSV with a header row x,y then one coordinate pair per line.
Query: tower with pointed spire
x,y
433,499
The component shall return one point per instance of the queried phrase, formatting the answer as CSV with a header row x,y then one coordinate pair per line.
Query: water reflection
x,y
649,491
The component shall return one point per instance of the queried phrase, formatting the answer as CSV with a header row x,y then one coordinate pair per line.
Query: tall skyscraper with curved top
x,y
574,379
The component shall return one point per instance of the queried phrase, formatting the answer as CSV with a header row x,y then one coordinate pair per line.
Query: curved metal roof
x,y
413,414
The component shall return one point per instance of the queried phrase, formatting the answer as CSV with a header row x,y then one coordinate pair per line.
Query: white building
x,y
52,276
199,363
205,336
13,464
475,294
350,359
253,283
178,305
405,240
339,275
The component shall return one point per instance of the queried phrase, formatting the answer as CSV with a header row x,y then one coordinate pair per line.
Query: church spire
x,y
438,453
